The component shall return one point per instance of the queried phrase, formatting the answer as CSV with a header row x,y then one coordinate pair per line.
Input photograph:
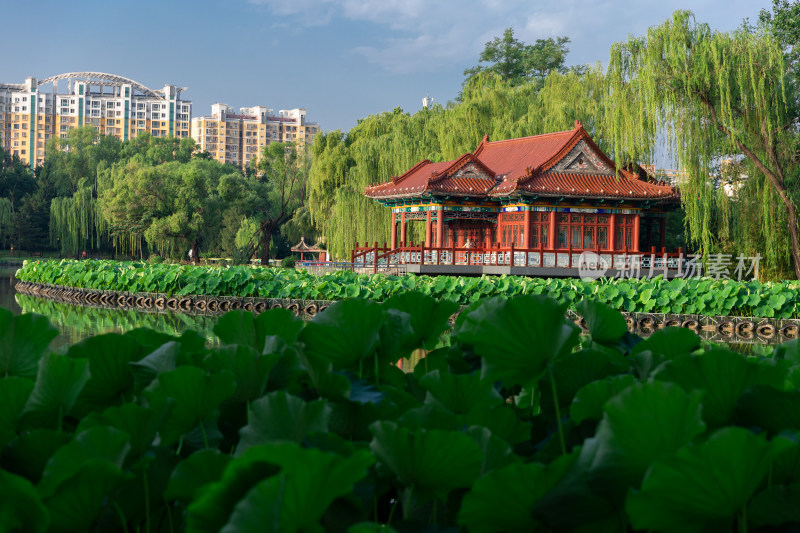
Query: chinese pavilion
x,y
553,191
302,248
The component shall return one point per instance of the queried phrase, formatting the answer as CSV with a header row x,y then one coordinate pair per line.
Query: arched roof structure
x,y
107,79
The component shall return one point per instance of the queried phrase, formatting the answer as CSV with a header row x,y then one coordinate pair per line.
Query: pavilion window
x,y
623,233
588,237
562,236
576,236
602,237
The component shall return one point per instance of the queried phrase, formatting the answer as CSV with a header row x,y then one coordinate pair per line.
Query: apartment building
x,y
237,138
114,105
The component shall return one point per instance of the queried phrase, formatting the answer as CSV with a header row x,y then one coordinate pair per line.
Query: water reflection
x,y
77,322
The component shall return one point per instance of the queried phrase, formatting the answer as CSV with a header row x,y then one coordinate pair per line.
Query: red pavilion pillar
x,y
551,231
428,228
636,221
526,242
612,232
440,228
403,225
394,230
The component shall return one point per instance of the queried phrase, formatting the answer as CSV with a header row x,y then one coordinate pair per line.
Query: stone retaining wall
x,y
145,301
734,329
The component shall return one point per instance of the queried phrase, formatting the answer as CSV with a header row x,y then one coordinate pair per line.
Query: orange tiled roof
x,y
534,165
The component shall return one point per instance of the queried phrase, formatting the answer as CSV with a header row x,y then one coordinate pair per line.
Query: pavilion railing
x,y
382,257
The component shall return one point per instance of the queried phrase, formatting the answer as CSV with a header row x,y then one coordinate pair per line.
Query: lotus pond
x,y
76,322
704,296
514,423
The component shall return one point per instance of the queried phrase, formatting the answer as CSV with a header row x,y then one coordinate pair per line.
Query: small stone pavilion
x,y
556,191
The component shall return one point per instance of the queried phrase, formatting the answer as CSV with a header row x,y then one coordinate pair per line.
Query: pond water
x,y
77,322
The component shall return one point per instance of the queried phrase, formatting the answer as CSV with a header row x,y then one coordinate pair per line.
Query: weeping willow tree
x,y
76,222
6,214
388,144
716,96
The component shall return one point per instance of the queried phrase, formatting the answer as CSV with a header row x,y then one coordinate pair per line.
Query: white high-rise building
x,y
114,105
237,138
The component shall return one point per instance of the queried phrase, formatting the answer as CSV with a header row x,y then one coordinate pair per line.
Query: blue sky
x,y
340,59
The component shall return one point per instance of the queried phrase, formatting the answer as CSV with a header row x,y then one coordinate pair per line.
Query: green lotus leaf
x,y
429,461
669,342
242,328
162,359
459,394
197,397
81,499
789,351
14,394
24,339
496,451
212,506
96,444
194,473
590,399
573,371
503,500
250,369
572,504
276,487
58,384
397,339
21,509
775,506
346,333
148,338
140,423
111,381
703,487
771,409
722,376
606,325
28,454
641,424
429,317
517,337
279,416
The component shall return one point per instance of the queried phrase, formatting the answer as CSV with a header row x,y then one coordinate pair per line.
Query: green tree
x,y
172,205
272,192
784,24
388,144
715,95
517,62
16,178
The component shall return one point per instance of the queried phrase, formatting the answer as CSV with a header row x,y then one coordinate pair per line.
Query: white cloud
x,y
425,36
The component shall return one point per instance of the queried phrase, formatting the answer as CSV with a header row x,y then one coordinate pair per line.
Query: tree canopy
x,y
270,195
517,62
717,96
388,144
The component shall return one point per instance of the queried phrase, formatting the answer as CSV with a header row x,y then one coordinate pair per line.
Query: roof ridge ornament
x,y
578,124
